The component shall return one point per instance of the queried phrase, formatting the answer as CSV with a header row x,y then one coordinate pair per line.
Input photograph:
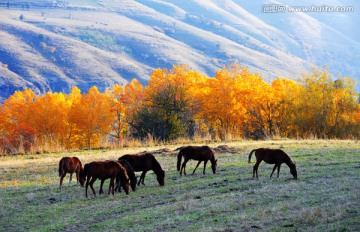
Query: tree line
x,y
181,102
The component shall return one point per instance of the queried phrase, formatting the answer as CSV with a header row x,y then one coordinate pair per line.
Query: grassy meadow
x,y
326,197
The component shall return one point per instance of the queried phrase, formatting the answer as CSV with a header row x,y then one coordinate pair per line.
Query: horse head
x,y
213,166
82,177
160,176
293,170
126,186
133,182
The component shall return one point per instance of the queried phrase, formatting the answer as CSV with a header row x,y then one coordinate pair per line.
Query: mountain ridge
x,y
113,41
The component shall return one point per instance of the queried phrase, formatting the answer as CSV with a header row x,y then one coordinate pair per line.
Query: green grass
x,y
326,197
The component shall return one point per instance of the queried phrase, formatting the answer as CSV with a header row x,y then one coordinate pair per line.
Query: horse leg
x,y
101,187
77,177
184,166
273,170
205,162
91,185
61,179
142,178
111,186
196,167
255,169
86,186
70,178
278,170
118,186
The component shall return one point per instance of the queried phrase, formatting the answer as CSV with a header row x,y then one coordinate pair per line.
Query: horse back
x,y
70,164
102,169
198,152
139,162
272,156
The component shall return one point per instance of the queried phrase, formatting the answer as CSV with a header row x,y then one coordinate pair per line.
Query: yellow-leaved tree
x,y
92,116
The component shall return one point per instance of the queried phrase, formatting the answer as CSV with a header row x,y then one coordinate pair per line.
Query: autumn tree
x,y
49,116
132,98
166,112
326,108
286,94
119,125
92,117
15,110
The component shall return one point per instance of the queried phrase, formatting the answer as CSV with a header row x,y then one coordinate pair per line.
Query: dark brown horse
x,y
272,156
104,170
71,165
203,153
130,172
144,163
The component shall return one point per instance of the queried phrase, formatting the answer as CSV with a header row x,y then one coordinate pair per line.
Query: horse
x,y
144,163
104,170
272,156
71,165
131,174
203,153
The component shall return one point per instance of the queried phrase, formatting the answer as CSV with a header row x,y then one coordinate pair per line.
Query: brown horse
x,y
203,153
71,165
104,170
273,156
144,163
131,174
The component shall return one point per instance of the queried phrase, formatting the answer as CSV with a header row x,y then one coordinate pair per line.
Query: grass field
x,y
326,197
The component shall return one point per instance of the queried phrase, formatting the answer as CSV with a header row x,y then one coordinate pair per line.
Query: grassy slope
x,y
326,196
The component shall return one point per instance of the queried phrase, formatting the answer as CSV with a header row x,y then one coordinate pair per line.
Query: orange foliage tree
x,y
166,111
181,103
91,117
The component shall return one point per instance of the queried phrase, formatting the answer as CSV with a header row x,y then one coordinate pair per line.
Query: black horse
x,y
272,156
144,163
203,153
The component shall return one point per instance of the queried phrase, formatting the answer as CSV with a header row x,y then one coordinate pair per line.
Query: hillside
x,y
54,47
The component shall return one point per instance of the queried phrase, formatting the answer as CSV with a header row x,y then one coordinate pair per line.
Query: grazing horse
x,y
71,165
144,163
131,174
272,156
203,153
104,170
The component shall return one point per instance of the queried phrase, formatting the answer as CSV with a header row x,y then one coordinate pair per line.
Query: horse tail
x,y
60,166
251,154
86,169
179,160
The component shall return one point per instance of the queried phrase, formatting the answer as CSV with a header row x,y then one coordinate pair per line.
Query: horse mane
x,y
290,161
131,172
212,154
156,164
123,173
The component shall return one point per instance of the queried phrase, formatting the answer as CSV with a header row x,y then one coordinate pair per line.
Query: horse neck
x,y
123,174
156,166
288,162
212,159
